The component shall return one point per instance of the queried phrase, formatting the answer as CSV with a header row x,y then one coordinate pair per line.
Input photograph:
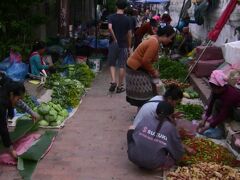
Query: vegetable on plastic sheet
x,y
54,117
202,171
170,69
207,151
43,123
43,109
191,111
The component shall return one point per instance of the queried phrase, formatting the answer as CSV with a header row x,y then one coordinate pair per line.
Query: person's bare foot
x,y
131,127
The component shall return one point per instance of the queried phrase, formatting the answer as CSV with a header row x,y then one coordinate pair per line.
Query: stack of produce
x,y
67,92
204,171
170,69
169,82
51,114
207,151
82,73
53,80
191,111
190,94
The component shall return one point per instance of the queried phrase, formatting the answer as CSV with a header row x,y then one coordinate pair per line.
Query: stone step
x,y
202,87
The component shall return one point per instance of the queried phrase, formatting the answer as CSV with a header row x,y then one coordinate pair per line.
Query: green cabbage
x,y
55,123
43,123
43,109
51,118
64,113
52,112
60,118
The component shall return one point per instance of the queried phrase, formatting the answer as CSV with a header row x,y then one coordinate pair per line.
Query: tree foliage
x,y
111,5
18,19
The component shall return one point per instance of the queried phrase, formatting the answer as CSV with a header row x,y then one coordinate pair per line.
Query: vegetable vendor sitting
x,y
224,98
37,64
186,45
155,143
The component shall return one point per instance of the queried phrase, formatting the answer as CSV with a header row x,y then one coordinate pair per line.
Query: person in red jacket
x,y
147,28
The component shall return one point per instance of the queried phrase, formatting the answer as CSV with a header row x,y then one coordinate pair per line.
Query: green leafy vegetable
x,y
170,69
191,111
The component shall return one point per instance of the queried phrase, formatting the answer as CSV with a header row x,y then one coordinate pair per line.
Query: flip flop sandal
x,y
112,87
120,89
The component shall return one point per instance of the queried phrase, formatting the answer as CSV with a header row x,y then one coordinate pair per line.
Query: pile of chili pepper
x,y
207,151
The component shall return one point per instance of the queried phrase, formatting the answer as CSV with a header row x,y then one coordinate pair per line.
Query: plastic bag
x,y
17,71
215,133
15,57
5,64
68,60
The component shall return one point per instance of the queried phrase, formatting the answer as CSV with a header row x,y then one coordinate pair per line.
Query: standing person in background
x,y
146,28
105,13
132,18
120,29
146,16
138,18
166,19
157,18
184,22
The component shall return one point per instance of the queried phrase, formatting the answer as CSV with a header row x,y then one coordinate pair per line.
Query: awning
x,y
214,33
152,1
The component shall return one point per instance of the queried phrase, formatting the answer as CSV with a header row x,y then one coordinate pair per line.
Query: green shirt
x,y
36,65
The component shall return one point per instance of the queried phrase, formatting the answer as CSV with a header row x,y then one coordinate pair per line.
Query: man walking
x,y
119,27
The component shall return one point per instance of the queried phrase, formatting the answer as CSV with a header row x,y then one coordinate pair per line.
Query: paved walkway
x,y
92,145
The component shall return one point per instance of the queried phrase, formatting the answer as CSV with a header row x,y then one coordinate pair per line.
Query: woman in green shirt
x,y
37,64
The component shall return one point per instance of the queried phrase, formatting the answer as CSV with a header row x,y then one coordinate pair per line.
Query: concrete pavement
x,y
92,145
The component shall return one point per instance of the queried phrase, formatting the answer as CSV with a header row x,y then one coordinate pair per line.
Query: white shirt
x,y
148,110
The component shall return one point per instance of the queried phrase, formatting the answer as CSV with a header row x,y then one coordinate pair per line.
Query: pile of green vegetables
x,y
53,80
82,73
191,111
28,100
67,92
190,94
170,69
51,114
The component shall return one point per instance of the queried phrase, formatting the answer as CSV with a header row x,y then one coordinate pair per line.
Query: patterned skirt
x,y
139,87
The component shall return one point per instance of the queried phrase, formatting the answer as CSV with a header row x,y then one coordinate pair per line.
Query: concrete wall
x,y
228,33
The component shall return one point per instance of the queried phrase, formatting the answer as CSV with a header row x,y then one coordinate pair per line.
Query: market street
x,y
93,144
